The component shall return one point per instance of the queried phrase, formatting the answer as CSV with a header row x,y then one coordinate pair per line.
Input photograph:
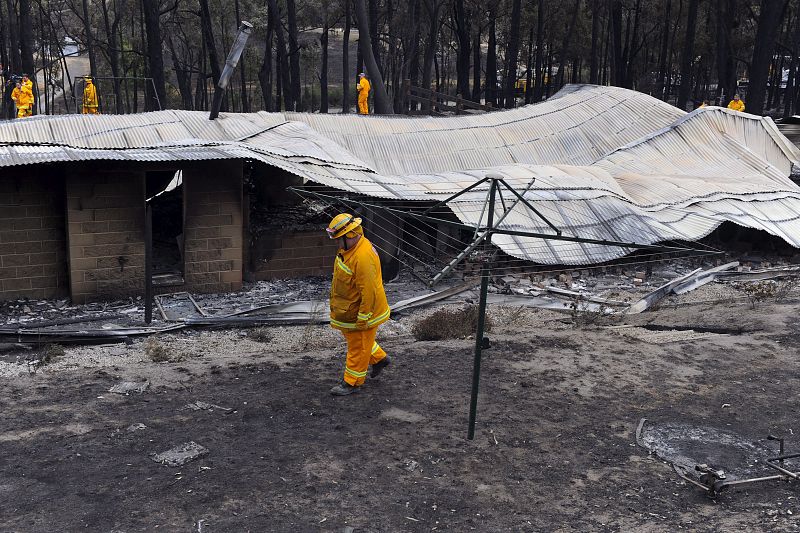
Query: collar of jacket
x,y
346,254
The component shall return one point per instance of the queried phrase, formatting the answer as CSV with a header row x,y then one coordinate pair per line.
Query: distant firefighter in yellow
x,y
736,104
90,106
23,99
363,94
358,302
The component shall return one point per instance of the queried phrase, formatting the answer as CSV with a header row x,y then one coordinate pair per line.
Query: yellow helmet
x,y
342,224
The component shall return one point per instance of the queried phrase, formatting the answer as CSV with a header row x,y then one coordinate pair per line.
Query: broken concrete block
x,y
641,275
128,387
637,281
180,455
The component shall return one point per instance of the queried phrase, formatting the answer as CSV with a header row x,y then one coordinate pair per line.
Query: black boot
x,y
343,389
378,367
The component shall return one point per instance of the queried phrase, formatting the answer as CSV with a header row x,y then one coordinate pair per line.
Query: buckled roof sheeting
x,y
606,162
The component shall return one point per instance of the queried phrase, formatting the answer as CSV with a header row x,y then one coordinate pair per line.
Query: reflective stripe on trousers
x,y
362,351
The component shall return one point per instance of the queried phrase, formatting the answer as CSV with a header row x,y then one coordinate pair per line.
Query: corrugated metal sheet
x,y
608,163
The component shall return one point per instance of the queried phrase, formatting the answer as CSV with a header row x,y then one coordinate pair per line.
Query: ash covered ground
x,y
555,448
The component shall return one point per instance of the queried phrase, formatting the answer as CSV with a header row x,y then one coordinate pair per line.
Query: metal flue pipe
x,y
230,64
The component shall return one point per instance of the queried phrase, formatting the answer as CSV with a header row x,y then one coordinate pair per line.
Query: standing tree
x,y
512,54
688,55
769,19
155,58
383,104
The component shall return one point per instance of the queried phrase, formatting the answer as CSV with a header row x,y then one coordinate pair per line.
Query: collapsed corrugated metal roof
x,y
608,163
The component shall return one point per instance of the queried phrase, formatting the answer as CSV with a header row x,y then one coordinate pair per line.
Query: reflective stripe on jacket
x,y
357,294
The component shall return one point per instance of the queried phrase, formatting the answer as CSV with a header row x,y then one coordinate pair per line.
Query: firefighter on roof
x,y
90,106
363,87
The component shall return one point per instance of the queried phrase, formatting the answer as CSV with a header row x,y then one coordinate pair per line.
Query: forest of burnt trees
x,y
304,55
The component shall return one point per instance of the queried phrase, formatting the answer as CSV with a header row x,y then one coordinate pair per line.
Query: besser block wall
x,y
213,233
105,222
292,255
32,238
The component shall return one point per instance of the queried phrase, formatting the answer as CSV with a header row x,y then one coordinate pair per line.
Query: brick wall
x,y
292,255
32,236
213,227
105,221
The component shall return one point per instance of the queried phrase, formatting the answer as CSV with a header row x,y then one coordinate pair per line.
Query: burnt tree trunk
x,y
688,55
323,74
346,58
562,53
491,57
726,62
265,72
462,26
373,34
294,55
283,56
537,95
383,105
768,21
617,63
662,53
512,53
476,65
593,54
155,57
242,67
434,8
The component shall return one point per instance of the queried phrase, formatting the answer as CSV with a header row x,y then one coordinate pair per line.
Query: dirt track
x,y
554,450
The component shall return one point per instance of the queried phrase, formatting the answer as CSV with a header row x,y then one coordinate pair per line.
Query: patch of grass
x,y
156,351
449,324
261,334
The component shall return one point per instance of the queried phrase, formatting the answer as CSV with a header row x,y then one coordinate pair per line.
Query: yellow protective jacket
x,y
90,96
23,97
358,301
363,88
736,106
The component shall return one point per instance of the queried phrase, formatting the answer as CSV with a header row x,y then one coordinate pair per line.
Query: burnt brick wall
x,y
292,255
105,221
32,234
213,233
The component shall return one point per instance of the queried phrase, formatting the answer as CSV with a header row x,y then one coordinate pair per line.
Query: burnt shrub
x,y
449,324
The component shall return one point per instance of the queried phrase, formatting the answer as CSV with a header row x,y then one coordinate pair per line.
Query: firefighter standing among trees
x,y
736,104
90,106
363,87
358,302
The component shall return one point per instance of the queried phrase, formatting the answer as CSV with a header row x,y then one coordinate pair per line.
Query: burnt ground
x,y
554,448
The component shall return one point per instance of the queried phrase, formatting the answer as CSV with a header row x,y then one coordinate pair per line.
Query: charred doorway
x,y
165,194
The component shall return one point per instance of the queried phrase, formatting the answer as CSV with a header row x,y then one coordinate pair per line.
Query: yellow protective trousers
x,y
362,351
23,112
363,106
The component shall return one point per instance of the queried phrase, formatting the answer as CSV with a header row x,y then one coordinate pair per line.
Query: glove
x,y
361,325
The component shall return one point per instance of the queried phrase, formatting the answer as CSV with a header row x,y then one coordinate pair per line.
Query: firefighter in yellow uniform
x,y
363,87
90,106
736,104
358,302
23,99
